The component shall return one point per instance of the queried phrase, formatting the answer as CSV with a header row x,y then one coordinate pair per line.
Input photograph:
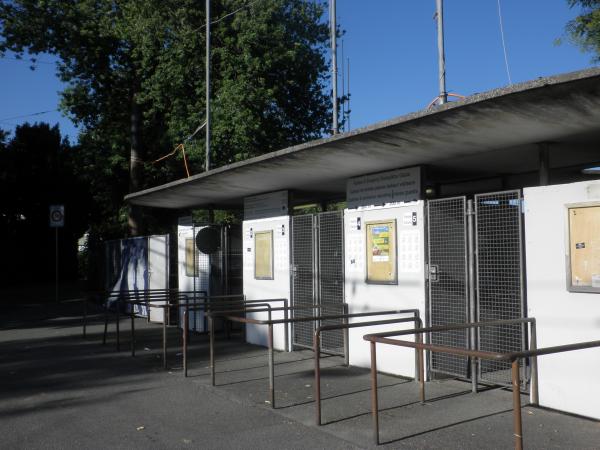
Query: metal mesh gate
x,y
447,238
499,278
318,275
331,276
303,293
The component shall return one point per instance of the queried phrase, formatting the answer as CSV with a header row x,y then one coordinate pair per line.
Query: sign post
x,y
57,220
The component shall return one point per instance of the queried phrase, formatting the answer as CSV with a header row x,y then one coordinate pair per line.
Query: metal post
x,y
421,371
286,328
334,71
211,336
185,340
207,162
271,368
317,345
105,325
147,307
374,405
516,391
346,336
118,320
245,329
186,314
441,55
164,327
535,395
471,297
56,264
132,333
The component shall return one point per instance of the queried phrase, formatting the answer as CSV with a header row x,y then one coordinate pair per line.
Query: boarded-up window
x,y
584,248
381,252
263,255
191,269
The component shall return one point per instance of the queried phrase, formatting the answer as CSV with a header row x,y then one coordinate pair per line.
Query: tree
x,y
135,75
584,30
37,170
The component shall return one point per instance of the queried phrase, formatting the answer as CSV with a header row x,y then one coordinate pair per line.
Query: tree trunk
x,y
136,167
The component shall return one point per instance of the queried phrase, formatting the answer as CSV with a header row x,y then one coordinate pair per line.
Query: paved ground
x,y
60,391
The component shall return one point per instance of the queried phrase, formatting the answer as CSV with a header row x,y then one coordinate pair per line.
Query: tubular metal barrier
x,y
270,324
133,299
150,300
250,306
512,357
345,326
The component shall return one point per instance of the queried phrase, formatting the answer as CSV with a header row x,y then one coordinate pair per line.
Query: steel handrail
x,y
419,372
185,335
270,324
512,357
165,307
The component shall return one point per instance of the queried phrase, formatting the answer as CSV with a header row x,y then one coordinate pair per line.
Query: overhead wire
x,y
220,19
503,43
28,115
181,147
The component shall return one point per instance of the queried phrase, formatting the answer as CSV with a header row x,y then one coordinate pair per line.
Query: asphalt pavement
x,y
61,391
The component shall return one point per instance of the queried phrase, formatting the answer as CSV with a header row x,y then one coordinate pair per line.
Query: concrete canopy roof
x,y
484,132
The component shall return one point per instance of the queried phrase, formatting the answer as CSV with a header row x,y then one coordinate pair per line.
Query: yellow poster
x,y
263,255
584,246
190,253
381,252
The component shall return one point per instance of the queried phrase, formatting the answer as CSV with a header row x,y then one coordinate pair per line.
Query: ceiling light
x,y
591,170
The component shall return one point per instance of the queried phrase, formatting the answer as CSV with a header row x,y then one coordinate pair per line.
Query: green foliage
x,y
269,78
584,30
226,217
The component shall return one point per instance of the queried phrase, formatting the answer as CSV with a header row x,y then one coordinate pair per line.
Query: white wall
x,y
568,381
158,270
187,283
407,294
278,287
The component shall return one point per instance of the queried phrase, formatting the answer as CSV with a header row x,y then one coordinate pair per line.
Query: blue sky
x,y
393,56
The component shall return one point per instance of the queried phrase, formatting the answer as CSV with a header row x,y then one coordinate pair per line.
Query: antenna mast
x,y
207,160
443,97
333,26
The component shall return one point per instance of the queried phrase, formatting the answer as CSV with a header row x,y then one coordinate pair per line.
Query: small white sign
x,y
57,216
401,185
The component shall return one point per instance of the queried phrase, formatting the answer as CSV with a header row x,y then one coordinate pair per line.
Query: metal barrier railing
x,y
149,299
132,299
210,303
270,324
246,305
148,303
207,306
345,326
512,357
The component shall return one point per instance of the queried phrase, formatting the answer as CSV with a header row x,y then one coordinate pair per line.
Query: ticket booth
x,y
384,259
266,262
193,270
